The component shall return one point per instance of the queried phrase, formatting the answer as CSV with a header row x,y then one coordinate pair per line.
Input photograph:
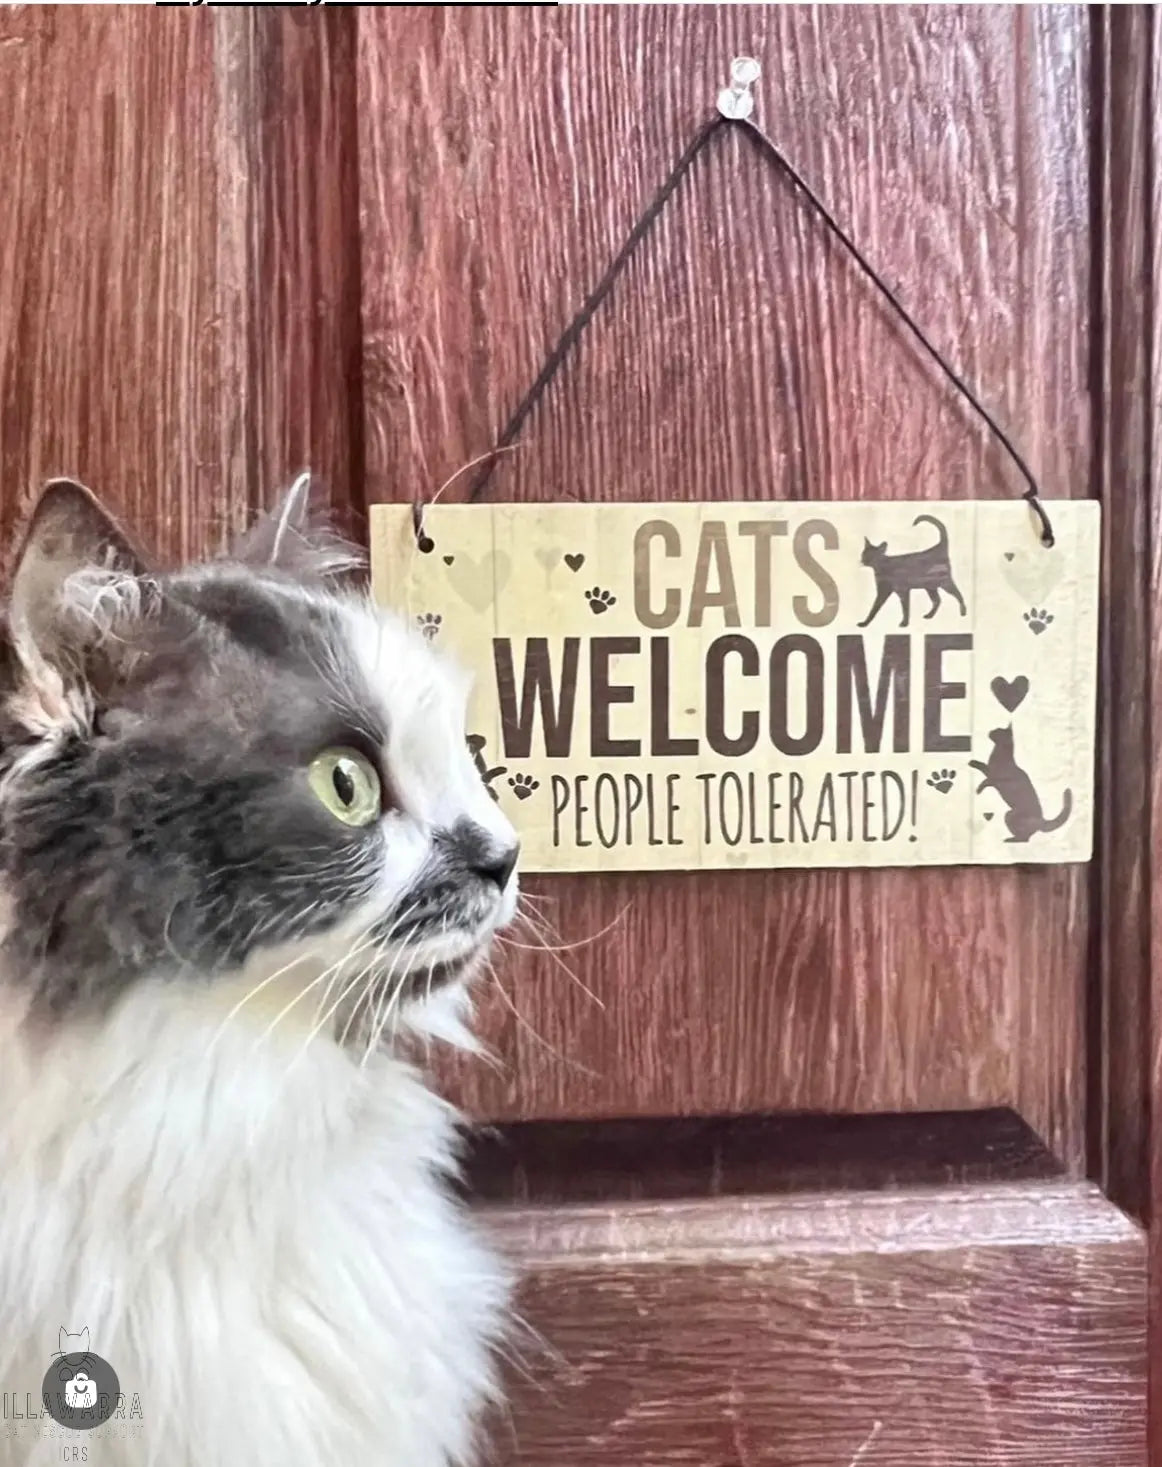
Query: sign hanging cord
x,y
734,107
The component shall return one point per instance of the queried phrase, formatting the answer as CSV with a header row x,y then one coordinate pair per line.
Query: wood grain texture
x,y
1121,1004
992,1327
178,269
1151,1098
1126,998
545,1163
742,357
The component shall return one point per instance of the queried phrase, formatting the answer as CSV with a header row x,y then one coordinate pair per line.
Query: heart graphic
x,y
575,562
448,559
987,814
479,582
1032,573
1010,695
547,556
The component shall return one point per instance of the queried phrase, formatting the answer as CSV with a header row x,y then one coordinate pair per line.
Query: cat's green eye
x,y
347,784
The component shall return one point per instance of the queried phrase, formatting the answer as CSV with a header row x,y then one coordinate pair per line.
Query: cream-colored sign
x,y
676,686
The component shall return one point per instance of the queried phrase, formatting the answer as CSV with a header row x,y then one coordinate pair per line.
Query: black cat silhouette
x,y
476,744
914,570
1002,773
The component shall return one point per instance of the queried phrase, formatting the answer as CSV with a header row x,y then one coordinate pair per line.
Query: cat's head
x,y
231,769
70,1344
1003,738
872,553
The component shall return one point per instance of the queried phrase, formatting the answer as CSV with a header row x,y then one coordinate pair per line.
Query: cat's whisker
x,y
553,951
362,975
358,944
390,993
394,994
380,949
568,947
381,991
542,926
552,954
336,977
539,1039
293,1002
326,1018
378,990
361,1005
252,993
376,1037
322,1020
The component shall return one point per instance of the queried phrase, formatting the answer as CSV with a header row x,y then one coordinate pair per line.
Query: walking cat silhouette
x,y
913,570
1002,773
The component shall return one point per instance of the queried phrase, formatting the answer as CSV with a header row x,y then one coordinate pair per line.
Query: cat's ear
x,y
293,539
76,573
63,1341
85,1340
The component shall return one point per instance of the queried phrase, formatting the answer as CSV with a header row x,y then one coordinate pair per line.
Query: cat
x,y
73,1344
73,1352
247,866
476,743
1002,773
914,570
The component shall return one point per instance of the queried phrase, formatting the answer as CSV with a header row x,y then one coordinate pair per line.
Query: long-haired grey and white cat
x,y
237,817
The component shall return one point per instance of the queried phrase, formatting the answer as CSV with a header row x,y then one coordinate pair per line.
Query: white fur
x,y
252,1222
255,1236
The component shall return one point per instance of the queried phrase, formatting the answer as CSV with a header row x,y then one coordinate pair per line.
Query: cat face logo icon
x,y
80,1392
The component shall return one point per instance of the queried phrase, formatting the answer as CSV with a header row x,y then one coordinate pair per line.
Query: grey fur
x,y
170,829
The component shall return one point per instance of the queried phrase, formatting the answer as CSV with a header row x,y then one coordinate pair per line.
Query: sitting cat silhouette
x,y
1003,774
914,570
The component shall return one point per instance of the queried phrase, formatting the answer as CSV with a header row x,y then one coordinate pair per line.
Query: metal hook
x,y
737,101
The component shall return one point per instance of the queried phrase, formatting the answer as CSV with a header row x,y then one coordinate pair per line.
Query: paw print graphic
x,y
942,780
429,623
599,600
1038,621
523,785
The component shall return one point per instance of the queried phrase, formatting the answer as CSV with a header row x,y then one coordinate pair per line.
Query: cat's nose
x,y
498,866
474,850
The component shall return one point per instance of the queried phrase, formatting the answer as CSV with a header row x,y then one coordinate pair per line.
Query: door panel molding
x,y
997,1324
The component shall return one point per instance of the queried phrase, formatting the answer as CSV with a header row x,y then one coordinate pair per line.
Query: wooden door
x,y
803,1167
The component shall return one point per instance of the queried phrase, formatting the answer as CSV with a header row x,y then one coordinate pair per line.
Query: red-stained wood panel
x,y
1000,1326
504,153
1126,995
1149,1097
179,261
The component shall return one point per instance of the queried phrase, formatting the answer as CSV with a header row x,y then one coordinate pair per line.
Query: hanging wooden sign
x,y
682,686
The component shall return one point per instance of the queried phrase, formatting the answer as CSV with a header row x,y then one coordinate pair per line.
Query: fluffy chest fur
x,y
258,1236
